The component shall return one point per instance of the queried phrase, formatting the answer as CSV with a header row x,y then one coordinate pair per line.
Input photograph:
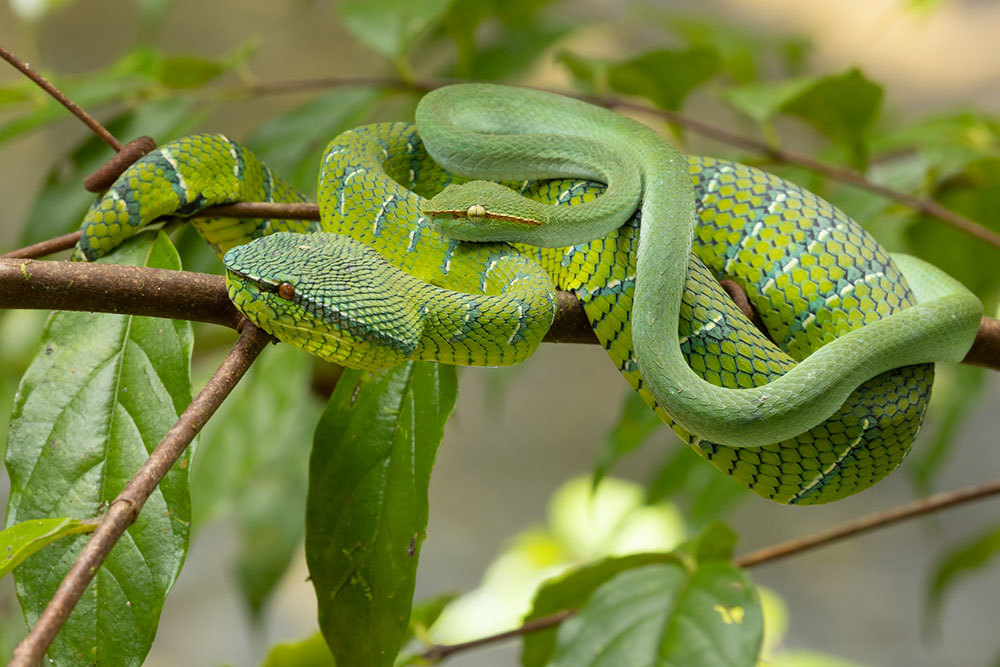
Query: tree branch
x,y
201,297
865,524
125,508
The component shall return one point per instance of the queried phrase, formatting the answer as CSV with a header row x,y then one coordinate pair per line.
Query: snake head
x,y
326,294
485,211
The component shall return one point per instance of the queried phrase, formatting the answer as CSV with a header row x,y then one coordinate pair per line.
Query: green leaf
x,y
959,562
99,396
391,27
590,74
291,144
62,202
263,485
635,424
23,539
737,49
950,143
310,652
571,590
664,615
764,100
716,541
367,507
187,71
843,107
665,77
513,52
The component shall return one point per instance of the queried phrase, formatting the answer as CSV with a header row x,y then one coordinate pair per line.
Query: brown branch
x,y
439,652
111,288
865,524
58,95
125,508
934,503
136,290
64,242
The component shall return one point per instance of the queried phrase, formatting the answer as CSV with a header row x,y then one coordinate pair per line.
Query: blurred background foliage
x,y
900,90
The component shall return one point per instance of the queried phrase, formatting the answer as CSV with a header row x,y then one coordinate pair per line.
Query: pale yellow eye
x,y
476,213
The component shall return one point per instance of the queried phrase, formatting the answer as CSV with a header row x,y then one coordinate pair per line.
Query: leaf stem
x,y
125,508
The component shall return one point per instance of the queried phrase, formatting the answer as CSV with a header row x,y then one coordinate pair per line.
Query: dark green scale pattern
x,y
811,272
861,443
182,178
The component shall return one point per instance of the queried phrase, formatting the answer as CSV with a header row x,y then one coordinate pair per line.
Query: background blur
x,y
517,434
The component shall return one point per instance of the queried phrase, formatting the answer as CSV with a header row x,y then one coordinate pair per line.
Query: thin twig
x,y
48,247
934,503
58,95
125,508
439,652
865,524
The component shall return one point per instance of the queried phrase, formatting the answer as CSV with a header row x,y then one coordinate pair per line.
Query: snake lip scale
x,y
446,241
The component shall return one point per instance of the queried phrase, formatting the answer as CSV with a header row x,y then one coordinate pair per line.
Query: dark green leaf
x,y
513,52
665,77
960,561
253,461
570,591
310,652
291,144
716,541
23,539
187,71
737,48
635,424
367,507
590,74
391,27
844,107
950,143
664,615
99,396
62,202
764,100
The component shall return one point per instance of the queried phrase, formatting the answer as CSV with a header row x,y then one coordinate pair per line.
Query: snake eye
x,y
476,213
286,291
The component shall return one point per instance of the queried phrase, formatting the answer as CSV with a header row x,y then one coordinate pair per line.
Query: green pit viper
x,y
411,261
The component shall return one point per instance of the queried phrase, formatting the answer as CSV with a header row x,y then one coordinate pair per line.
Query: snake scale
x,y
412,261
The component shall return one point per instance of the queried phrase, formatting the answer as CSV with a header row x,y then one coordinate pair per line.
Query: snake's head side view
x,y
326,294
486,211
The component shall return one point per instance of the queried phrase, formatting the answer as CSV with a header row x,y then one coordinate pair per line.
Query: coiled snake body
x,y
827,409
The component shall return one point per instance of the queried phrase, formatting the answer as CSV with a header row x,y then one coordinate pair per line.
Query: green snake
x,y
411,261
